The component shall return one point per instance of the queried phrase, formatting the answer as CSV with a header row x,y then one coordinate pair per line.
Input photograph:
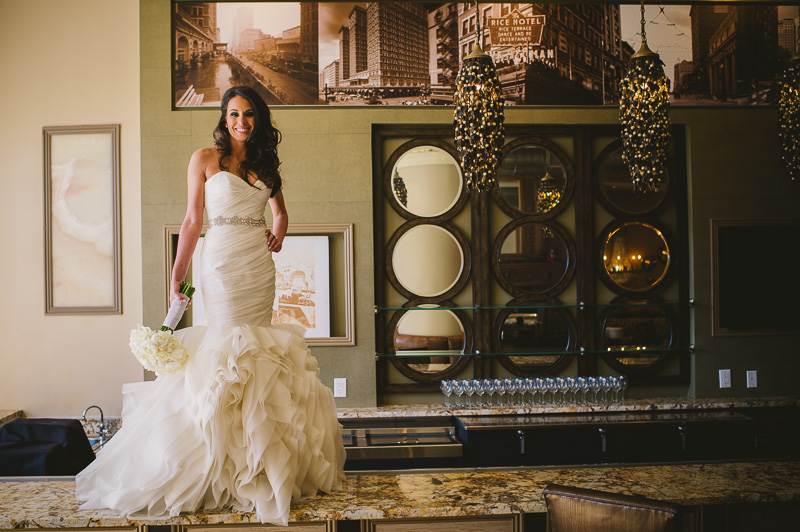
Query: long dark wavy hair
x,y
261,155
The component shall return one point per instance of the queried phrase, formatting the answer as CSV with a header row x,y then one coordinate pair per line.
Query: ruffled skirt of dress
x,y
245,425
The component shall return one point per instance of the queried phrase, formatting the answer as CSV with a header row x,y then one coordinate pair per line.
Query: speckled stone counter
x,y
7,415
52,504
636,405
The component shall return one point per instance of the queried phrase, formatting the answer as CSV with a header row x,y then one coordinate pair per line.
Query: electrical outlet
x,y
752,379
340,387
724,378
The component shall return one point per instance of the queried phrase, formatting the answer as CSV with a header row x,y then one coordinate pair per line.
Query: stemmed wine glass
x,y
538,385
527,386
458,389
583,386
623,384
447,389
594,386
477,384
519,386
488,386
572,384
469,390
550,386
499,390
604,386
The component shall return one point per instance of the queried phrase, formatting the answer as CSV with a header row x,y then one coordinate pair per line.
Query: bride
x,y
246,424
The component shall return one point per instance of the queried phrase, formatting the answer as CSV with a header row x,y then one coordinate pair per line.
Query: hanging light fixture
x,y
399,187
478,117
644,115
789,117
549,194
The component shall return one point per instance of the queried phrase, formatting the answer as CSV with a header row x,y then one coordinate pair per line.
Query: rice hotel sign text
x,y
516,29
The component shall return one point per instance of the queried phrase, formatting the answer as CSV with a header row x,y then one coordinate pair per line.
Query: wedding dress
x,y
246,424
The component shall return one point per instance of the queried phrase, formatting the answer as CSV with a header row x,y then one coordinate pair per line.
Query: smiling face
x,y
240,118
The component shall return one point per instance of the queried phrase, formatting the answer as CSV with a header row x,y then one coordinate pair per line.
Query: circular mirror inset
x,y
637,336
534,257
426,181
528,331
616,186
532,179
636,256
427,260
430,341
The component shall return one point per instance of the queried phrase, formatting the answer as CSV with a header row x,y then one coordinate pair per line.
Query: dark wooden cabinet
x,y
628,437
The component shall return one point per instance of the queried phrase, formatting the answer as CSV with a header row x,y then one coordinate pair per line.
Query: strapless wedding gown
x,y
246,424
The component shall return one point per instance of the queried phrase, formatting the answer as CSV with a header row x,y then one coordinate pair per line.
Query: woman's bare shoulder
x,y
205,161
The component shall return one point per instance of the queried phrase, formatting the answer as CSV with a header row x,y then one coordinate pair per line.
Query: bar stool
x,y
571,509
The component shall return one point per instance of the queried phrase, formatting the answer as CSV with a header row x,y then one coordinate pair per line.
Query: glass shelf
x,y
420,354
690,303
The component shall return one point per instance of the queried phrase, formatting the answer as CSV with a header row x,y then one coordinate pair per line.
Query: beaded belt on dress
x,y
238,220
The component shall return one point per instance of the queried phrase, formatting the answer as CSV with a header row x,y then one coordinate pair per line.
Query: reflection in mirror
x,y
616,186
636,256
532,179
533,257
634,334
435,333
531,330
426,181
427,260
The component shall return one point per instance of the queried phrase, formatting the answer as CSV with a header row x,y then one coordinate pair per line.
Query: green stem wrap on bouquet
x,y
178,307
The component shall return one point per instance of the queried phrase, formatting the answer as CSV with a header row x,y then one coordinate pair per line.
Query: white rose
x,y
161,339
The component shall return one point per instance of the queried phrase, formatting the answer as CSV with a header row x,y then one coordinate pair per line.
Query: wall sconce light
x,y
478,117
644,115
789,118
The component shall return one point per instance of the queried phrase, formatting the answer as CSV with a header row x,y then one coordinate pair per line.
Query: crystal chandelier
x,y
399,188
789,118
478,117
549,194
644,115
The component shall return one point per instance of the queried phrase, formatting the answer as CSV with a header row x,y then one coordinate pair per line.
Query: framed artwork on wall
x,y
409,53
82,220
313,283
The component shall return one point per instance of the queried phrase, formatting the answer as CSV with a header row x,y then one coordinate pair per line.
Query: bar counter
x,y
633,405
387,497
452,494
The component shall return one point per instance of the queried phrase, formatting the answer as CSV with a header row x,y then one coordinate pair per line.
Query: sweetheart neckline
x,y
252,185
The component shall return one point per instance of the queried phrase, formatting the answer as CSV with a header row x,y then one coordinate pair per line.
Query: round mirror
x,y
427,260
431,341
426,181
528,331
532,179
636,336
616,187
636,256
534,257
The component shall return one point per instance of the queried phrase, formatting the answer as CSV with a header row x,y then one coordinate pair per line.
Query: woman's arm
x,y
280,222
192,224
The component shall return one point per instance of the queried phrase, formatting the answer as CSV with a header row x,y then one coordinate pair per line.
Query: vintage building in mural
x,y
195,30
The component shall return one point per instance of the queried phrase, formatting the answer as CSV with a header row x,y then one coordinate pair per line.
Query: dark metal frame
x,y
584,276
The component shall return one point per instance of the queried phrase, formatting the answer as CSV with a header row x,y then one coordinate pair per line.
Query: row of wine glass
x,y
539,391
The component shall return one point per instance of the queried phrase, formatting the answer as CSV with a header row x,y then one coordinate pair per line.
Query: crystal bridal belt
x,y
238,220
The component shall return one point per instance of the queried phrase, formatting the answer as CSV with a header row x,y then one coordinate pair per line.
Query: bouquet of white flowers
x,y
159,351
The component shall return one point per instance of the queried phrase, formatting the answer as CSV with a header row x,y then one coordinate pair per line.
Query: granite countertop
x,y
7,415
52,504
635,405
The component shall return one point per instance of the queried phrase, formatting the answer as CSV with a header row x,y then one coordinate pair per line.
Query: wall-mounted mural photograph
x,y
408,53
